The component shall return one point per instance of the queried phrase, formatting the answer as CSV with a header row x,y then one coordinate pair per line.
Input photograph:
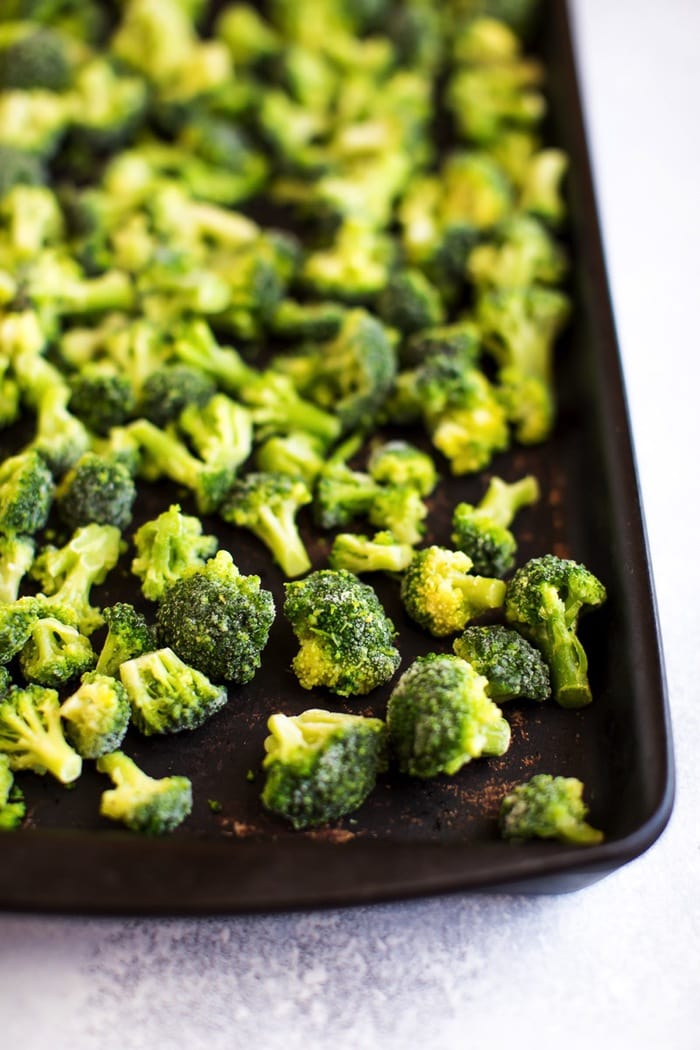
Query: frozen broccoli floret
x,y
440,717
167,695
520,252
488,99
145,804
342,494
542,190
33,219
313,321
220,430
217,620
109,108
96,489
321,765
297,454
267,504
398,462
440,593
482,531
61,438
101,398
410,302
170,389
12,805
128,635
460,340
33,56
543,600
31,734
345,636
16,558
26,493
16,621
354,269
548,807
513,667
96,715
19,167
399,509
379,553
55,653
167,548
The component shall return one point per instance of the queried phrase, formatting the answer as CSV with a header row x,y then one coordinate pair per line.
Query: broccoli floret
x,y
268,504
354,269
12,805
101,398
109,107
146,804
167,548
96,715
247,35
96,489
55,653
33,219
519,15
61,438
166,695
343,494
440,717
519,253
513,667
312,321
33,56
26,493
410,302
398,462
543,601
345,636
439,592
542,191
379,553
166,454
482,531
16,558
297,454
16,621
460,340
19,167
31,734
486,100
220,430
548,807
321,765
128,635
172,388
217,620
399,509
68,573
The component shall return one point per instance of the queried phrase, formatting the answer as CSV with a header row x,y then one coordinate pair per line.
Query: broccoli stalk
x,y
267,504
16,558
31,734
482,531
379,553
145,804
548,807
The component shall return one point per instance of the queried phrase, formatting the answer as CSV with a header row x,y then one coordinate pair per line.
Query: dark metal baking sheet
x,y
411,837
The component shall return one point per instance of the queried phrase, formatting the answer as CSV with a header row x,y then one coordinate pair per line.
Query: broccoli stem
x,y
281,536
502,500
566,656
482,592
170,455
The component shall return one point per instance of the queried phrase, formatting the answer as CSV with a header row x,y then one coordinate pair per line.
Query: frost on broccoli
x,y
96,489
512,666
345,636
167,695
143,803
96,716
548,807
31,733
440,593
440,717
167,548
321,765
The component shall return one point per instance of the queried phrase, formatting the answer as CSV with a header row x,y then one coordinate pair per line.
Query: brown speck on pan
x,y
336,835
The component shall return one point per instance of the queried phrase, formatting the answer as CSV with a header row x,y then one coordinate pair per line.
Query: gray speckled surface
x,y
617,963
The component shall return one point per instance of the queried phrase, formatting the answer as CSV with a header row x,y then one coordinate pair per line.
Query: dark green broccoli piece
x,y
55,653
513,667
96,715
170,389
520,252
167,548
248,36
16,558
482,531
12,805
548,807
440,717
67,574
342,494
16,621
33,56
221,431
398,462
460,340
400,510
31,734
439,592
101,398
128,635
379,553
109,109
19,167
145,804
321,765
167,695
217,620
543,601
312,321
346,638
96,489
26,493
410,302
267,504
296,454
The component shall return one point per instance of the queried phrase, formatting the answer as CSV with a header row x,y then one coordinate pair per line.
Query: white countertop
x,y
616,964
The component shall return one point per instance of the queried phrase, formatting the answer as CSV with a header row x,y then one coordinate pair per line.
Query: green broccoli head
x,y
521,252
217,620
26,493
167,695
145,804
55,653
96,716
33,56
128,635
542,190
460,340
342,494
346,638
410,302
379,553
321,765
221,431
31,733
297,454
548,807
401,510
16,621
96,489
307,321
439,592
482,531
19,167
167,548
398,462
354,269
512,666
12,805
16,558
543,600
101,398
170,389
267,504
440,716
486,100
